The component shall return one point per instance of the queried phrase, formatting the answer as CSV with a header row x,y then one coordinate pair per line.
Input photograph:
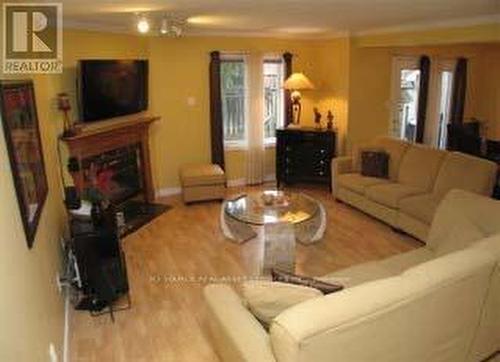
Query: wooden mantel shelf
x,y
125,124
94,141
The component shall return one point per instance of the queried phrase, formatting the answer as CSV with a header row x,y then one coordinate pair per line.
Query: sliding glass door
x,y
405,99
439,104
405,93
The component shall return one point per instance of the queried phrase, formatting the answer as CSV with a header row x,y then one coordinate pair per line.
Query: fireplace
x,y
117,173
115,159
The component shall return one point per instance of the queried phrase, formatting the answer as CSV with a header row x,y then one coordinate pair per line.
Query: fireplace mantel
x,y
94,141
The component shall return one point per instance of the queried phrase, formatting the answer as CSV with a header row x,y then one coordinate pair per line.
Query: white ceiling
x,y
283,17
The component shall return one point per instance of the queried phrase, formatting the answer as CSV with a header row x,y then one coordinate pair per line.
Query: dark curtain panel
x,y
216,122
287,58
458,95
423,95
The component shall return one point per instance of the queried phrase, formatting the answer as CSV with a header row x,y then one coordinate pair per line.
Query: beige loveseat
x,y
437,303
419,177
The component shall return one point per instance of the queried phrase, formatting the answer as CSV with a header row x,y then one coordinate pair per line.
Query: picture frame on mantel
x,y
19,118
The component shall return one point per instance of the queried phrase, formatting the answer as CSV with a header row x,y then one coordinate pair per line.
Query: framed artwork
x,y
22,135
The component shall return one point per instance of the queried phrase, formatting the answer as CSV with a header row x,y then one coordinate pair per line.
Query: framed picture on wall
x,y
22,135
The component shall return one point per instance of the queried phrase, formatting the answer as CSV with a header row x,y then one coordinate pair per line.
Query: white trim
x,y
431,25
439,65
168,191
398,64
270,178
235,146
270,142
130,30
235,55
66,341
237,182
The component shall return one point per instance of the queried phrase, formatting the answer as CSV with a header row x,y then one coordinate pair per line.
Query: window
x,y
273,99
233,84
405,92
234,89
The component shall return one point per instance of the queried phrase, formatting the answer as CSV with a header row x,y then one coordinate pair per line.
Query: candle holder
x,y
64,105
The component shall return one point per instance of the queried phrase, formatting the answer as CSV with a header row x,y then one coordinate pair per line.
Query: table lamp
x,y
295,83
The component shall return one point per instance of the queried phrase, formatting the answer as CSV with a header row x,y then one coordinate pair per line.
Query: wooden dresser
x,y
304,155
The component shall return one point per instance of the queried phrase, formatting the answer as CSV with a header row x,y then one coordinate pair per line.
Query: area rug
x,y
138,213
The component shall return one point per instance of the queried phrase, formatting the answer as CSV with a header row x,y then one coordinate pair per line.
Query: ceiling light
x,y
164,26
172,26
143,25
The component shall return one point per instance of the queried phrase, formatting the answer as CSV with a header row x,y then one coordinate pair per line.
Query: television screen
x,y
112,88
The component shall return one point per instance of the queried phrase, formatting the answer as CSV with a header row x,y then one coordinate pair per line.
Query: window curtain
x,y
423,95
255,152
216,122
287,61
459,91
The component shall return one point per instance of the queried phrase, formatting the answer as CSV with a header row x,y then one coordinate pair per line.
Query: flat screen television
x,y
112,88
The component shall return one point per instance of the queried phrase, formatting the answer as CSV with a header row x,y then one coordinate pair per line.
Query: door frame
x,y
399,63
438,65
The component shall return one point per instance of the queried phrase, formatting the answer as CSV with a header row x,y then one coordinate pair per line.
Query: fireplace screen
x,y
116,173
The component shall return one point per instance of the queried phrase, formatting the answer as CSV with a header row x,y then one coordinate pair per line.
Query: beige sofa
x,y
436,303
419,177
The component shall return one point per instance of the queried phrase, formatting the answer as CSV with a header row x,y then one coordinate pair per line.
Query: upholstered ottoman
x,y
202,182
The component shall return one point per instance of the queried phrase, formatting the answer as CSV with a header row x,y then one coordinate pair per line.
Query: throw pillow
x,y
290,278
375,164
266,299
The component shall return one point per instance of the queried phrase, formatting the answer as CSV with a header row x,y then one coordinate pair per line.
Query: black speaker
x,y
73,165
101,263
71,198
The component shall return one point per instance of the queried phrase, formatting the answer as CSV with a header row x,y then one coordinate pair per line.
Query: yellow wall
x,y
31,309
432,36
352,77
179,70
370,84
332,81
488,92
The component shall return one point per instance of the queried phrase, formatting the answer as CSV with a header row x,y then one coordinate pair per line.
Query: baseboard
x,y
243,181
270,178
236,182
66,341
170,191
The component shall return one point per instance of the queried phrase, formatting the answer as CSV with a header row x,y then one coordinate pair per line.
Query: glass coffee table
x,y
282,218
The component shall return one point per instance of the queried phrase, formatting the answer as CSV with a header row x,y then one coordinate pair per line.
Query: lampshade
x,y
298,81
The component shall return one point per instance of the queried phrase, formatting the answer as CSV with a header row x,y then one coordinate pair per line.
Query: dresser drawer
x,y
304,155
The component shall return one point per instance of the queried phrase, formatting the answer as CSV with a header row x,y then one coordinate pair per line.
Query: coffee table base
x,y
307,232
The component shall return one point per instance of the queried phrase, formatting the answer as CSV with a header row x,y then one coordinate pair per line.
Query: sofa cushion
x,y
397,264
421,207
461,219
435,305
390,194
375,164
357,183
357,274
420,166
465,172
396,148
268,299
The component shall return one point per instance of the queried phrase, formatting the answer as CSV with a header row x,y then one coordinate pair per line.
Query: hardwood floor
x,y
167,319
